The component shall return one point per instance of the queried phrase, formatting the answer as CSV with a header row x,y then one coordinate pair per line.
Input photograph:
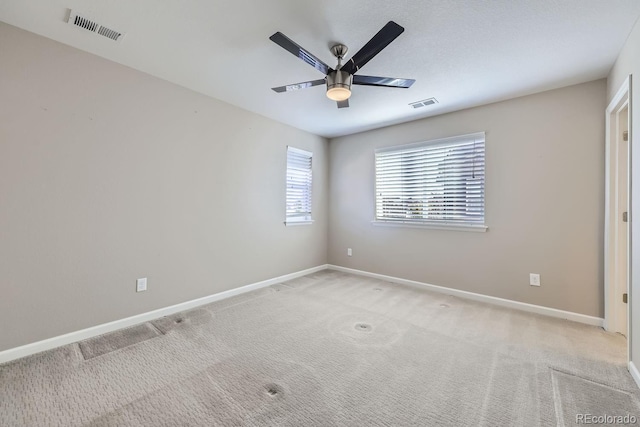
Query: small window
x,y
299,180
436,183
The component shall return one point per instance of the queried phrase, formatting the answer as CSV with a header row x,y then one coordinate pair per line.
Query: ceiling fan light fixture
x,y
339,85
338,93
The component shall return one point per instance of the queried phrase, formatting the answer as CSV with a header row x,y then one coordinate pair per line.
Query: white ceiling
x,y
462,52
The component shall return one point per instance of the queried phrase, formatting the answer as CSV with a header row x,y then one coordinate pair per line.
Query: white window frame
x,y
302,178
456,224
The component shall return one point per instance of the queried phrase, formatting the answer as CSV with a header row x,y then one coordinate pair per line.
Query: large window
x,y
299,180
437,183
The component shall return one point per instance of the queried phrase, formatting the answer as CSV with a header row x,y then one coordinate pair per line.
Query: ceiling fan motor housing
x,y
339,85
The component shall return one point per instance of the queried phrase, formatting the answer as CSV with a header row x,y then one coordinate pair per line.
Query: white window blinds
x,y
299,180
434,182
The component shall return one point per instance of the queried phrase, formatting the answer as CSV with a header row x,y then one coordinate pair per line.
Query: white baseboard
x,y
531,308
50,343
634,373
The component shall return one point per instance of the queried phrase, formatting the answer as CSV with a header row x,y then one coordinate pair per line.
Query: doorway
x,y
617,212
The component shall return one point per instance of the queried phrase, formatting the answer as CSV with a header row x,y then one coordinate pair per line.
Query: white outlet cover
x,y
141,284
534,279
349,252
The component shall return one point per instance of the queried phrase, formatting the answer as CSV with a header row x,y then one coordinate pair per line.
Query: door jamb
x,y
622,97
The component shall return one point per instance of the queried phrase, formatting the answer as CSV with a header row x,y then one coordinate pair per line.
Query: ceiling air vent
x,y
424,103
88,24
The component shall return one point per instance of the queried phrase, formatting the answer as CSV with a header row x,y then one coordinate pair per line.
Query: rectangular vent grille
x,y
109,33
85,23
94,27
423,103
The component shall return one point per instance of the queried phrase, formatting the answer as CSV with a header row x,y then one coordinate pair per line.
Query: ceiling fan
x,y
339,81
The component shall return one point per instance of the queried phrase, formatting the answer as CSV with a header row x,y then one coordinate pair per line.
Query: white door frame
x,y
621,100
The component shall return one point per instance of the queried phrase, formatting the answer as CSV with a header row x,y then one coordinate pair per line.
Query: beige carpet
x,y
328,349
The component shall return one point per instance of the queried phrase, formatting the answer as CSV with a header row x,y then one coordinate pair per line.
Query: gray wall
x,y
628,62
544,203
108,175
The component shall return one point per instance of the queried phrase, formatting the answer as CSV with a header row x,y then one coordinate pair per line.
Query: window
x,y
298,186
435,183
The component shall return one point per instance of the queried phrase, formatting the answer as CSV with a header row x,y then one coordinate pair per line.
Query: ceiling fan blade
x,y
288,44
382,81
386,35
298,86
343,104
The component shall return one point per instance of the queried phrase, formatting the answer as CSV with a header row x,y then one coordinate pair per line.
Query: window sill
x,y
290,222
448,227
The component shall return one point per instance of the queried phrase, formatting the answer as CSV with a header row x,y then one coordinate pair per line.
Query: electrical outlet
x,y
534,279
349,252
141,285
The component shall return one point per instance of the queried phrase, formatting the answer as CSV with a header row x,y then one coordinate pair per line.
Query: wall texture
x,y
628,62
544,203
108,175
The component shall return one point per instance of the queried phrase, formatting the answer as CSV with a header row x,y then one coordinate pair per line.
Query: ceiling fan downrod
x,y
338,81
